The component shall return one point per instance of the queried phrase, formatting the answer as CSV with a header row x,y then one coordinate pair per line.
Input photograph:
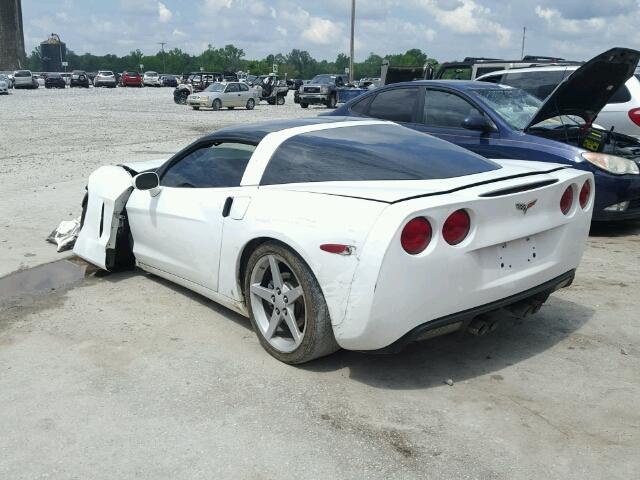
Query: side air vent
x,y
519,188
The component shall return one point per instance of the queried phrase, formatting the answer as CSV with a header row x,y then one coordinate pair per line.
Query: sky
x,y
444,29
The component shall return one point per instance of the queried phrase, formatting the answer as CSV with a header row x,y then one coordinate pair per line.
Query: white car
x,y
151,79
4,84
105,78
24,79
622,112
225,94
333,232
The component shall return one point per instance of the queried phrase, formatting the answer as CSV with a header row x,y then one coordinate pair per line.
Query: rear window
x,y
22,73
372,152
538,84
622,95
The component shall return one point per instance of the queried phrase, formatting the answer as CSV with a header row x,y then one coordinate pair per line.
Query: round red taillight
x,y
456,227
416,235
567,200
585,193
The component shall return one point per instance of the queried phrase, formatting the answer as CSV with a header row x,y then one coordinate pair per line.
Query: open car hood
x,y
587,90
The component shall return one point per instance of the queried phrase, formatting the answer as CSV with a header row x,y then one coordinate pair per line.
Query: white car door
x,y
178,227
232,96
245,94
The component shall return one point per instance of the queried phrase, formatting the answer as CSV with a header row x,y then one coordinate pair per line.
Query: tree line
x,y
296,64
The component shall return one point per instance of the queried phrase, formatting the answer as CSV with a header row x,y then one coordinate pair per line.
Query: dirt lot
x,y
127,376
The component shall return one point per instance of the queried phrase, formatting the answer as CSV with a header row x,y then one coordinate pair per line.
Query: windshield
x,y
326,79
215,87
514,106
4,77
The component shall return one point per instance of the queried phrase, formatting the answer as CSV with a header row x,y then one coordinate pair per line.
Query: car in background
x,y
199,81
622,113
224,94
254,217
322,90
131,79
502,122
169,81
40,79
24,79
4,84
105,78
54,80
79,78
151,79
473,67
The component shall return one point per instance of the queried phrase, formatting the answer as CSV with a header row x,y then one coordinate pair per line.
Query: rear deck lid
x,y
587,90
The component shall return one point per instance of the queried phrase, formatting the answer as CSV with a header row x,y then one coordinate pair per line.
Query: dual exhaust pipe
x,y
486,323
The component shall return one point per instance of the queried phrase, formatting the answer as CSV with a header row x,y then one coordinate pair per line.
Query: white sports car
x,y
332,232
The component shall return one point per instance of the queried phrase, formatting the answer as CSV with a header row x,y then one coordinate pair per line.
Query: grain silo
x,y
53,52
11,35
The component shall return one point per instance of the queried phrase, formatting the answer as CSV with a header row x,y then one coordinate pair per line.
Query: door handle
x,y
227,206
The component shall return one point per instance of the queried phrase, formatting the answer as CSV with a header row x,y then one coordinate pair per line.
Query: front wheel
x,y
181,98
286,306
280,100
217,104
251,103
332,102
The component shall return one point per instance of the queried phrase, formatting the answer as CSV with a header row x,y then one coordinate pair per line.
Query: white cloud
x,y
322,31
554,19
178,33
281,30
164,14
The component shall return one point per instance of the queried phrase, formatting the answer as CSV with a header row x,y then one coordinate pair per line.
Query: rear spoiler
x,y
397,74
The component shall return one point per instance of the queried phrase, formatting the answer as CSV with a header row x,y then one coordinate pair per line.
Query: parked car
x,y
24,79
198,82
224,94
105,78
54,80
39,79
322,90
473,67
507,234
621,113
151,79
4,84
169,81
79,78
499,121
131,79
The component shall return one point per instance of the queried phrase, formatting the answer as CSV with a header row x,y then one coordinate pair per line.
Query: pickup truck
x,y
322,89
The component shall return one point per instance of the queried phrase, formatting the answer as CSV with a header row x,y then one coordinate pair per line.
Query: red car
x,y
131,79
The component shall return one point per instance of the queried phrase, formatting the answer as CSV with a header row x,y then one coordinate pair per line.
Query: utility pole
x,y
353,24
164,65
524,36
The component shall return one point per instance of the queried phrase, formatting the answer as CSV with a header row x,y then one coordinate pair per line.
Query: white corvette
x,y
332,232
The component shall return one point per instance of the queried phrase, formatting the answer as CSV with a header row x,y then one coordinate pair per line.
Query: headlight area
x,y
612,163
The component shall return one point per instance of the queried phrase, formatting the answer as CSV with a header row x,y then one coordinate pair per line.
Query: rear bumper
x,y
460,320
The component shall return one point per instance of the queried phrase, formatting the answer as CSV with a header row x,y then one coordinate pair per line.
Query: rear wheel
x,y
304,105
280,100
251,103
181,98
217,104
286,306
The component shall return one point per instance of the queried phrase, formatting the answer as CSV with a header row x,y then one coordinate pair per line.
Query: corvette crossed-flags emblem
x,y
524,207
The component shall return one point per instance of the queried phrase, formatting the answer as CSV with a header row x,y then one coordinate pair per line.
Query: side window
x,y
538,84
232,87
396,105
443,109
622,95
211,166
362,106
243,87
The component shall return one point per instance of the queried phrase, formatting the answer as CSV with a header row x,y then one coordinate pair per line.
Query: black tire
x,y
230,108
332,102
181,99
304,105
196,108
280,100
251,103
217,104
318,340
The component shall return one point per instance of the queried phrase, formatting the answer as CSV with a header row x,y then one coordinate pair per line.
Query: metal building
x,y
11,35
53,52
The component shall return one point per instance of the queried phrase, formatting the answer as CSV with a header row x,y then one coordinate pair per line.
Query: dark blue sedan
x,y
501,122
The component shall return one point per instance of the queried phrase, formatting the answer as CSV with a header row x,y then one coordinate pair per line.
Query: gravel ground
x,y
127,376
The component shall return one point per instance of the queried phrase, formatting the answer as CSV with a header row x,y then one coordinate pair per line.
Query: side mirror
x,y
478,123
146,181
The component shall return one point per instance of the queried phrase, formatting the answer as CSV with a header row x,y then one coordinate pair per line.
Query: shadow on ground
x,y
615,229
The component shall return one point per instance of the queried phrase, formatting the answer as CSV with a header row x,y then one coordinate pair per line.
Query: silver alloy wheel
x,y
278,303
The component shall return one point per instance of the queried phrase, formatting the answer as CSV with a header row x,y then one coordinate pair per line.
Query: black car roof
x,y
255,132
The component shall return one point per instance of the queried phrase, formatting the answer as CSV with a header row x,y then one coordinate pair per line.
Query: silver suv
x,y
24,79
